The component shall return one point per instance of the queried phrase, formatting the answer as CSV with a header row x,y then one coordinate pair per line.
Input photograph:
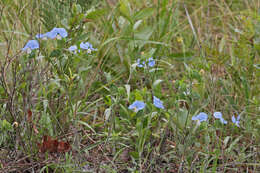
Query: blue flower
x,y
30,45
57,33
151,62
73,49
218,115
235,120
158,103
200,117
87,46
137,105
139,64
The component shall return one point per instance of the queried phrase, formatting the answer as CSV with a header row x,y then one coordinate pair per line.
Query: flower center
x,y
58,37
28,50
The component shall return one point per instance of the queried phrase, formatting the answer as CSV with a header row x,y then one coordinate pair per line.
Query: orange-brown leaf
x,y
63,146
53,145
29,112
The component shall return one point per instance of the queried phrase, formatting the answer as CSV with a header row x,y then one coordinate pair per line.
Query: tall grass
x,y
206,60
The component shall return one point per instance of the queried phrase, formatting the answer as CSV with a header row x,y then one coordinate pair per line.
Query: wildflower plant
x,y
66,86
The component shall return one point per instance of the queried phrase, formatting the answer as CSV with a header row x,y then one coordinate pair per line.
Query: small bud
x,y
202,72
15,124
180,39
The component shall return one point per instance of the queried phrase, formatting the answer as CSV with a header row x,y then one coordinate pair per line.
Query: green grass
x,y
207,60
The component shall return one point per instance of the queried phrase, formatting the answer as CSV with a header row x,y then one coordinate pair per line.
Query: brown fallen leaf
x,y
53,145
29,113
63,146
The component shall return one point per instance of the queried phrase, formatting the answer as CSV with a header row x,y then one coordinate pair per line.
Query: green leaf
x,y
233,144
87,125
158,81
182,117
125,10
96,14
137,24
7,126
182,56
222,44
45,122
146,12
138,95
145,33
56,53
134,154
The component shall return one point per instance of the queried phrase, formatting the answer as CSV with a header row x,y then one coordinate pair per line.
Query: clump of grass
x,y
128,103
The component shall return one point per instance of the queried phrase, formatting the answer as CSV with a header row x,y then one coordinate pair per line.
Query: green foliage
x,y
206,60
5,128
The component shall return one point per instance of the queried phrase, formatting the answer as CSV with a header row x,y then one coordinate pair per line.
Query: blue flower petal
x,y
158,103
73,49
57,32
151,62
194,118
200,117
137,105
223,121
217,115
139,64
87,46
84,45
31,44
236,120
233,119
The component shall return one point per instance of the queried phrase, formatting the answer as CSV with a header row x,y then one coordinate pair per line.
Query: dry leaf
x,y
53,145
29,113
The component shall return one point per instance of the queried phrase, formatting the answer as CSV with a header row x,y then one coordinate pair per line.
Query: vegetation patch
x,y
129,86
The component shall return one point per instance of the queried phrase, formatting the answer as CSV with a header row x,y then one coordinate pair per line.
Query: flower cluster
x,y
56,33
150,62
139,105
218,115
85,46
